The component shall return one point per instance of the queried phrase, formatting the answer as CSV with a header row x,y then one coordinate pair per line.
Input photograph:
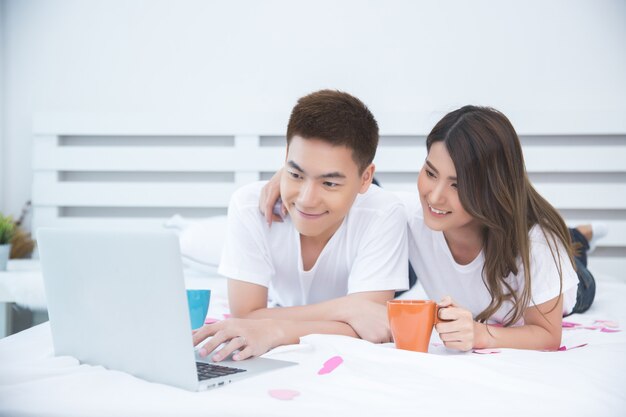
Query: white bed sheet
x,y
372,380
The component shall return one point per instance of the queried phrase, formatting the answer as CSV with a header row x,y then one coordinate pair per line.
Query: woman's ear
x,y
366,178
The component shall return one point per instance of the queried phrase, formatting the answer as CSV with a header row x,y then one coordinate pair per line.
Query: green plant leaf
x,y
7,229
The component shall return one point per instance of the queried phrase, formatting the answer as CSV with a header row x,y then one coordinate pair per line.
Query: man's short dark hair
x,y
339,119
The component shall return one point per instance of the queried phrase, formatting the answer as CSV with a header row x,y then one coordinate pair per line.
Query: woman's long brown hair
x,y
494,188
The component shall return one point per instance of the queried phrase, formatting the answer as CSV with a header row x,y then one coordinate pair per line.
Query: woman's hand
x,y
457,331
249,337
270,194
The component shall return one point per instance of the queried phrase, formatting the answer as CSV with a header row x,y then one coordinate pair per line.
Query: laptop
x,y
117,298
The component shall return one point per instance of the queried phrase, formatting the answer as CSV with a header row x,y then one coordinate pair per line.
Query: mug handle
x,y
437,318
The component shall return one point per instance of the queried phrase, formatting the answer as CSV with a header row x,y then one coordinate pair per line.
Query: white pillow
x,y
201,241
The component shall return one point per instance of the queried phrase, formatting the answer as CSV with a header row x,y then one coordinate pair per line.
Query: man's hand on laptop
x,y
247,337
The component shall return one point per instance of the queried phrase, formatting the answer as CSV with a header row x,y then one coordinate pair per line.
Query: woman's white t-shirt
x,y
441,275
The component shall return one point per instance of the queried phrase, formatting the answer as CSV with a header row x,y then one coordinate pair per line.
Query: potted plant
x,y
7,231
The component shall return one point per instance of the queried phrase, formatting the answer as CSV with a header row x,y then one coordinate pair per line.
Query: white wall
x,y
557,65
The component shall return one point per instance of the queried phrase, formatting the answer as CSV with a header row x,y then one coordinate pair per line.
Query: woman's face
x,y
437,187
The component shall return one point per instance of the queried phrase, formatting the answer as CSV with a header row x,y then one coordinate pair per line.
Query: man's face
x,y
319,184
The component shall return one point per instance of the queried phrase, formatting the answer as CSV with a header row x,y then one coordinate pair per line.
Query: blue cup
x,y
198,301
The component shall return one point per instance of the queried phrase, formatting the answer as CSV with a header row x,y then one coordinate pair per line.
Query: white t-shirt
x,y
441,275
367,253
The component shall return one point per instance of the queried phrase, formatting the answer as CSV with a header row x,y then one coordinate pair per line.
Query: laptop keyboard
x,y
210,370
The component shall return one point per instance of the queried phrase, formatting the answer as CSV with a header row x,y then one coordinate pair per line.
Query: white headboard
x,y
88,174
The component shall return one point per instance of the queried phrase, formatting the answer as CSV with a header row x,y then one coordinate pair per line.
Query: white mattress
x,y
372,380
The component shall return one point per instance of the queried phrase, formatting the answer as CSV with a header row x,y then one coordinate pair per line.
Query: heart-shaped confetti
x,y
210,320
607,323
486,351
569,324
330,365
564,348
283,394
607,330
592,327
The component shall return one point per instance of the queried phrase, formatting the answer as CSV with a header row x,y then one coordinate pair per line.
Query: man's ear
x,y
366,178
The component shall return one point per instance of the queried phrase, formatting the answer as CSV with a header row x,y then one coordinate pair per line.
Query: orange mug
x,y
411,323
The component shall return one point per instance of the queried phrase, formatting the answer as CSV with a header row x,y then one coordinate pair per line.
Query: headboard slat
x,y
132,175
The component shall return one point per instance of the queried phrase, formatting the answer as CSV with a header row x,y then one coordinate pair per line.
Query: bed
x,y
124,174
587,377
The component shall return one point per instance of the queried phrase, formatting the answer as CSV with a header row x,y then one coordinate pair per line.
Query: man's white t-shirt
x,y
441,275
367,253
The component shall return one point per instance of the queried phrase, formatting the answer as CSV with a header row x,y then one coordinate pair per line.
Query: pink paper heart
x,y
330,365
486,351
283,394
227,316
607,330
568,324
607,323
591,327
564,348
210,320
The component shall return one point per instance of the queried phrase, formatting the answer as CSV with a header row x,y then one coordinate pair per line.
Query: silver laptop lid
x,y
105,291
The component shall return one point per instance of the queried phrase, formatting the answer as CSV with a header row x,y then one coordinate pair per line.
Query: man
x,y
339,254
